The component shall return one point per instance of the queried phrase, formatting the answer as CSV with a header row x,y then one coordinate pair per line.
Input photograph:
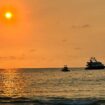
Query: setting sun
x,y
8,15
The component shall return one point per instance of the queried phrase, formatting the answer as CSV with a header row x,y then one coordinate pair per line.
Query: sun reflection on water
x,y
11,84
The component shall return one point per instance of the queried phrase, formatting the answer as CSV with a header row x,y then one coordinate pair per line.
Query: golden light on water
x,y
13,84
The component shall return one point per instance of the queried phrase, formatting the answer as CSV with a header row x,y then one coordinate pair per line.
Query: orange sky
x,y
51,33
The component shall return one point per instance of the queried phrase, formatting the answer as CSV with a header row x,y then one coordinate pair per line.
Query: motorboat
x,y
65,68
94,64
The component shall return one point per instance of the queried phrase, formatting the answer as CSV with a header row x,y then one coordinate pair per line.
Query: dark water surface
x,y
52,87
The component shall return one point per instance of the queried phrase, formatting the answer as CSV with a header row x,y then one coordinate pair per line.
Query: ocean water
x,y
51,86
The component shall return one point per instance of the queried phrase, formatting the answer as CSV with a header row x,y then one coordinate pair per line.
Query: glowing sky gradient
x,y
51,33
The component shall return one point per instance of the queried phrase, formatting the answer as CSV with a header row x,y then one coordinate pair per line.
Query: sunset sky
x,y
51,33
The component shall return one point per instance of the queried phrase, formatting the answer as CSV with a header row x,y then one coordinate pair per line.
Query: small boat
x,y
94,64
65,68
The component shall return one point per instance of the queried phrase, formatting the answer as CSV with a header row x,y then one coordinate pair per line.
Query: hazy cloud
x,y
64,40
23,55
77,48
81,26
32,50
12,57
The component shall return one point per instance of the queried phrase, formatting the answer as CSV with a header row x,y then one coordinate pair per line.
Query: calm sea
x,y
51,86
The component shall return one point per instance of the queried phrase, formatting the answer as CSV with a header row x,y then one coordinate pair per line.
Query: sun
x,y
8,15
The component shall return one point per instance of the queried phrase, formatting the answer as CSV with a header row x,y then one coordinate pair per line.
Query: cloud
x,y
81,26
77,48
24,55
64,40
32,50
12,57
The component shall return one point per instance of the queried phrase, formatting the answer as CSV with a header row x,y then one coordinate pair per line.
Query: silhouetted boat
x,y
94,64
65,68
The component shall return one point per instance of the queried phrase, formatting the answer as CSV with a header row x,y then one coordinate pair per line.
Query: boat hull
x,y
94,68
65,70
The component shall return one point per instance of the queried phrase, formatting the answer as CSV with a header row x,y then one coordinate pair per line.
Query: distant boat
x,y
65,68
94,64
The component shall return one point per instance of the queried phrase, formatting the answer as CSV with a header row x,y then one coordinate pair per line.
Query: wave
x,y
50,101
